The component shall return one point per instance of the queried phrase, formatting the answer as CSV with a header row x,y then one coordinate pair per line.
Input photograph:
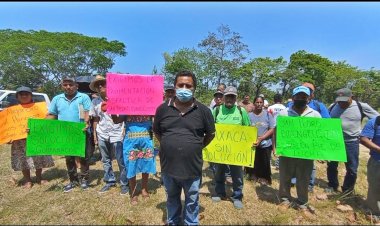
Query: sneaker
x,y
69,187
284,205
105,188
347,193
217,198
84,185
124,190
375,219
238,204
331,190
305,208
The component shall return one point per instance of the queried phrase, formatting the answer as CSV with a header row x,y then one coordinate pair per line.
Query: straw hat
x,y
94,83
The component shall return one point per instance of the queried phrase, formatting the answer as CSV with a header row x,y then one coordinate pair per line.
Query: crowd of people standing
x,y
183,127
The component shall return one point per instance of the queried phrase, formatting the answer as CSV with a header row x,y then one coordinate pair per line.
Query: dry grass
x,y
47,204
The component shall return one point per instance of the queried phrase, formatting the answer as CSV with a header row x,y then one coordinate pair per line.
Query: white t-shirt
x,y
275,109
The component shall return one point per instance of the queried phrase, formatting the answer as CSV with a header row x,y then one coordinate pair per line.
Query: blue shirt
x,y
368,131
68,110
316,105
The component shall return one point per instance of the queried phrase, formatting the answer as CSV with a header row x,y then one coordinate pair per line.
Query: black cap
x,y
167,87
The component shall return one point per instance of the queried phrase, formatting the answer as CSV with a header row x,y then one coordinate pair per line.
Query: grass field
x,y
47,204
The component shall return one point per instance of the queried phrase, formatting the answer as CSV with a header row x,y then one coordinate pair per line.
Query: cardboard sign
x,y
232,145
310,138
54,137
14,120
134,94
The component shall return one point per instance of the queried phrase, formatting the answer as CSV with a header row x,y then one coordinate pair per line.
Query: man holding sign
x,y
300,168
229,113
67,107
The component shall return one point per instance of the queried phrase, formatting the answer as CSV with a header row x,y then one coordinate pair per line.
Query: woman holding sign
x,y
265,124
19,160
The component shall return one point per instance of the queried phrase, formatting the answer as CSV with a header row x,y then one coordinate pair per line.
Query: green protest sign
x,y
54,137
232,145
310,138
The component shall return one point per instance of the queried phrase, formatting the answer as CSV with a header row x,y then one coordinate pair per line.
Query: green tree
x,y
339,76
287,80
311,68
187,59
259,73
41,58
225,52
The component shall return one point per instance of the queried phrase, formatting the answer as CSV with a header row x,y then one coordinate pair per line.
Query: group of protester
x,y
183,126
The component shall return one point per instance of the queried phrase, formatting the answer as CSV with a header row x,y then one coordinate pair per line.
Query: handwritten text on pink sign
x,y
134,94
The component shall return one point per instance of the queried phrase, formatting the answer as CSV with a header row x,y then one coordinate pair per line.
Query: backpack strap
x,y
377,123
362,115
318,105
331,107
241,113
217,108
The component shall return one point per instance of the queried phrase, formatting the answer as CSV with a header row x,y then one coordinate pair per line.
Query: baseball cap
x,y
167,87
23,89
261,95
230,90
301,89
344,94
218,92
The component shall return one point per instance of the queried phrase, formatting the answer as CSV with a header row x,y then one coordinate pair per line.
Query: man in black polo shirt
x,y
184,127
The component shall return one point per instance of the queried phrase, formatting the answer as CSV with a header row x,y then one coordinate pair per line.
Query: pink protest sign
x,y
130,94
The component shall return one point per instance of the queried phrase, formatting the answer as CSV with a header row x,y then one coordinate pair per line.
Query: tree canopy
x,y
40,59
222,58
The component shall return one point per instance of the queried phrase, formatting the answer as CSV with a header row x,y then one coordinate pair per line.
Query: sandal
x,y
145,196
28,185
42,182
134,201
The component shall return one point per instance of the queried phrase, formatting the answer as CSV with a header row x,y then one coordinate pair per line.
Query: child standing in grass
x,y
138,151
19,160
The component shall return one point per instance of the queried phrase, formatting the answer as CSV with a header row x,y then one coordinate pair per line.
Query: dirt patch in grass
x,y
47,204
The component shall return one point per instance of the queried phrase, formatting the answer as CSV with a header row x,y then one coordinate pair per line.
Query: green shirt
x,y
231,116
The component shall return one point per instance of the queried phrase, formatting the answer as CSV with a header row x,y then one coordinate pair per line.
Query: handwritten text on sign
x,y
232,145
14,120
310,138
134,94
54,137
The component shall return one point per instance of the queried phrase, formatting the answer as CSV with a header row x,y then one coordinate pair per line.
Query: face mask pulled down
x,y
184,95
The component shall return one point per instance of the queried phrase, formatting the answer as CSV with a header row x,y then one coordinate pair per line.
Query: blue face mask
x,y
184,95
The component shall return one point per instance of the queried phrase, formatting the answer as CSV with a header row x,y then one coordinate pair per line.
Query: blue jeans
x,y
237,181
173,189
108,150
352,164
